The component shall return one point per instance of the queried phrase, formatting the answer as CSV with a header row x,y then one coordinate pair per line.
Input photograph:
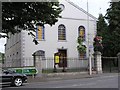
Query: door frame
x,y
63,52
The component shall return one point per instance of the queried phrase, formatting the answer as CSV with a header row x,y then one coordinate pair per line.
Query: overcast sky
x,y
95,7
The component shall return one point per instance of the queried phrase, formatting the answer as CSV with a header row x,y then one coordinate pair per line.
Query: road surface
x,y
110,81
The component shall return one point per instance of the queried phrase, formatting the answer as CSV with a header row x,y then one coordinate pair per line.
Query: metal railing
x,y
47,64
110,64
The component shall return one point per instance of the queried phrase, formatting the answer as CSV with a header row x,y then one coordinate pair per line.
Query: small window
x,y
62,7
61,32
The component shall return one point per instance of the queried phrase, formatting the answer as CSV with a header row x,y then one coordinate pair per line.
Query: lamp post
x,y
89,51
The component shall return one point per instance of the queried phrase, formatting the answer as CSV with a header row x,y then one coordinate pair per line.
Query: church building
x,y
59,38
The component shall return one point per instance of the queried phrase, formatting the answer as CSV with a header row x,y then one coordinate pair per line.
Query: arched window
x,y
61,32
40,53
81,31
40,32
62,6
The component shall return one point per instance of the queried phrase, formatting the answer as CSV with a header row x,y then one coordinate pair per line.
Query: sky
x,y
94,7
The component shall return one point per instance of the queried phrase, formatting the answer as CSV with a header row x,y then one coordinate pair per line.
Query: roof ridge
x,y
81,9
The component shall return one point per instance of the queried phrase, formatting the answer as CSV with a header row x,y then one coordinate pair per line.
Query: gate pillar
x,y
98,62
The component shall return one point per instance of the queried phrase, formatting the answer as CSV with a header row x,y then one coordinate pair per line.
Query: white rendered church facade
x,y
61,37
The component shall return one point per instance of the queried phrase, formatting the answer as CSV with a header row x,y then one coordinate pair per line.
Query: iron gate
x,y
110,64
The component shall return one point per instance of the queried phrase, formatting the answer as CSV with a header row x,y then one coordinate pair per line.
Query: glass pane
x,y
82,32
61,32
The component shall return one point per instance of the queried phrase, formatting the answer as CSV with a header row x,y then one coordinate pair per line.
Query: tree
x,y
113,40
81,48
102,31
25,15
101,25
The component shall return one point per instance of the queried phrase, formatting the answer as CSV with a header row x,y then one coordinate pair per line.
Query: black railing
x,y
47,64
110,64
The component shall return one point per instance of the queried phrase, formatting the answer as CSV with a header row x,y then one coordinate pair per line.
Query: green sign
x,y
18,70
27,71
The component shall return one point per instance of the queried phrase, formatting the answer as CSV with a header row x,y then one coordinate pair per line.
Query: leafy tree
x,y
102,31
81,48
112,41
101,25
25,15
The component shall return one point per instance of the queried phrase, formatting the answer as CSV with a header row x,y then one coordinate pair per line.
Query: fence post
x,y
98,62
118,55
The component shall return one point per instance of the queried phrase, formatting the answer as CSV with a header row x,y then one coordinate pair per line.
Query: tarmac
x,y
65,76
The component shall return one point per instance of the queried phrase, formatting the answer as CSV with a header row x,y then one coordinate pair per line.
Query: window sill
x,y
62,40
40,40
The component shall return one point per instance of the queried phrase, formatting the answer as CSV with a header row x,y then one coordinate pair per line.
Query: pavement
x,y
65,76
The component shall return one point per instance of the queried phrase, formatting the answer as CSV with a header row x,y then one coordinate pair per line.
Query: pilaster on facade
x,y
22,48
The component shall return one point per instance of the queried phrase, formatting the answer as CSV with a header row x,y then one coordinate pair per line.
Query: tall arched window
x,y
40,32
81,31
61,32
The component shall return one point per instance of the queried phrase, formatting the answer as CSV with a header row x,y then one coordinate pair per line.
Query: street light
x,y
89,51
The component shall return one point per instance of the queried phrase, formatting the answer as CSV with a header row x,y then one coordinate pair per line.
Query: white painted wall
x,y
73,11
51,43
72,18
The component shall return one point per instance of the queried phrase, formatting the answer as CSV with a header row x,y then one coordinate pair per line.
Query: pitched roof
x,y
81,9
